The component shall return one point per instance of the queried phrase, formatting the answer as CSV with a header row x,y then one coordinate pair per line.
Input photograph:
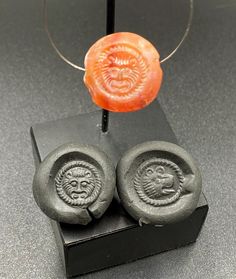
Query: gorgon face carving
x,y
121,72
78,183
157,182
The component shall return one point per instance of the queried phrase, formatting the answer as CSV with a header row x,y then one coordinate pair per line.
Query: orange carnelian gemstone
x,y
122,72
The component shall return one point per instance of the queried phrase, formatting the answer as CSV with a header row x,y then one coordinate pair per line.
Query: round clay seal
x,y
158,183
74,183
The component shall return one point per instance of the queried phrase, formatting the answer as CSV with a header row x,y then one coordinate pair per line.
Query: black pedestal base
x,y
116,238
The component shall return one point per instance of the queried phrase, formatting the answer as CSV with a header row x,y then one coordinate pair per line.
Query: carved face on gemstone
x,y
78,183
122,72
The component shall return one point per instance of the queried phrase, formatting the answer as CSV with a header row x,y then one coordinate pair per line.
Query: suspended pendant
x,y
122,72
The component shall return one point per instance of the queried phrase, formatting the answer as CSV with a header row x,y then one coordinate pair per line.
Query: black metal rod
x,y
110,28
105,120
110,16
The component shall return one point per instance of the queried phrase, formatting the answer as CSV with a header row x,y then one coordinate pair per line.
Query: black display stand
x,y
116,238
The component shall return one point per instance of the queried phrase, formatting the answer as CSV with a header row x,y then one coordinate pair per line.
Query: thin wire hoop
x,y
59,53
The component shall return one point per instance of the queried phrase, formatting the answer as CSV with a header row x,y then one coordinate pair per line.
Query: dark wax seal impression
x,y
158,183
78,183
74,183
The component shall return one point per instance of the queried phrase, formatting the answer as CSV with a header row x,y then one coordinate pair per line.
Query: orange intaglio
x,y
122,72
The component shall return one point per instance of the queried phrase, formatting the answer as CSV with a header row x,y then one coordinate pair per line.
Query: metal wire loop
x,y
45,13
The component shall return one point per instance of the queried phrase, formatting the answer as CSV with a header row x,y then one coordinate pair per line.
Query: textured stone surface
x,y
198,96
123,72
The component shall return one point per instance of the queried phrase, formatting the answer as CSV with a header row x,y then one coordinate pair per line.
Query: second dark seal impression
x,y
158,183
74,183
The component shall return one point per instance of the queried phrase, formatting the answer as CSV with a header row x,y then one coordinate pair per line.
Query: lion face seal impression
x,y
158,183
74,183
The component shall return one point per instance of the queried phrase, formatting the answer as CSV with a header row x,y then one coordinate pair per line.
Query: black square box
x,y
116,238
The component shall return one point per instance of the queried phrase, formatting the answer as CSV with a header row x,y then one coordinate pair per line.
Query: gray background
x,y
198,96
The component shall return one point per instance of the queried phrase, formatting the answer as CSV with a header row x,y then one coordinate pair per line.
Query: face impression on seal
x,y
78,183
157,182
